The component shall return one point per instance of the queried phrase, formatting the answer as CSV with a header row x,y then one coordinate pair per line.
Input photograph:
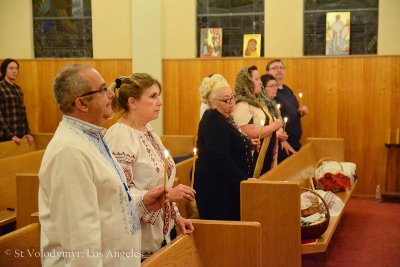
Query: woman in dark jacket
x,y
224,154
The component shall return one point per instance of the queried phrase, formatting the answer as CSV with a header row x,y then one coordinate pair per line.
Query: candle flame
x,y
285,119
194,151
166,154
300,95
278,106
262,122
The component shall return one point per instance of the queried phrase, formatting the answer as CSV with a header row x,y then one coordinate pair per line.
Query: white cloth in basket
x,y
334,203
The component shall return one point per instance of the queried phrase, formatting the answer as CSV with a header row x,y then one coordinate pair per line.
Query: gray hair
x,y
68,85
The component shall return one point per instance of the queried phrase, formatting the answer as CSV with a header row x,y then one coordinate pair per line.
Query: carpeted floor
x,y
369,236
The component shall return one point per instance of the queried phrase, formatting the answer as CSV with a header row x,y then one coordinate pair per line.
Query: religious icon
x,y
211,42
251,45
337,33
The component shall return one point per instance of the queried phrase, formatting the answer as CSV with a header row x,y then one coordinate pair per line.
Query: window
x,y
62,28
236,18
363,25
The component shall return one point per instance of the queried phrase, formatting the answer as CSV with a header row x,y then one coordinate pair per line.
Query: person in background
x,y
289,108
224,154
268,94
250,111
140,152
13,122
87,215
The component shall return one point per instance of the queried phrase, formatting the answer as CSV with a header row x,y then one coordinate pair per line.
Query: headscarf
x,y
244,89
270,103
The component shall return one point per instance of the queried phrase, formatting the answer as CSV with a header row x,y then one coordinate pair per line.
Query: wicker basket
x,y
316,230
335,187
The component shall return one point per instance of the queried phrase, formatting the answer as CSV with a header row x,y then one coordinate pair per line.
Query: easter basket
x,y
317,229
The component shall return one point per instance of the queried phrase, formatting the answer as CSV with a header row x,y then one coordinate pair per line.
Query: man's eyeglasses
x,y
101,91
277,68
227,101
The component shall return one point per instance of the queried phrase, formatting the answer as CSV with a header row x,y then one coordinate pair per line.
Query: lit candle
x,y
301,102
397,136
278,106
194,164
262,125
388,137
284,122
165,174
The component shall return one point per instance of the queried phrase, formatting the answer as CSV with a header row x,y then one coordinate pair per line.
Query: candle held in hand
x,y
262,125
285,120
194,164
165,174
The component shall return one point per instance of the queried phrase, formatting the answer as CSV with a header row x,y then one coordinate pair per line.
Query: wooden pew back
x,y
25,240
276,206
9,167
178,145
213,243
11,149
27,197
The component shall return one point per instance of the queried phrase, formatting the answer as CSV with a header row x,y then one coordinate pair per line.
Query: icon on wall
x,y
252,45
337,33
210,42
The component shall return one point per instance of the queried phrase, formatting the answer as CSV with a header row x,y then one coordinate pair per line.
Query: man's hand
x,y
154,197
30,139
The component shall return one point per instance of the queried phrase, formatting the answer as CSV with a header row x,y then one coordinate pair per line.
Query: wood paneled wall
x,y
36,79
355,98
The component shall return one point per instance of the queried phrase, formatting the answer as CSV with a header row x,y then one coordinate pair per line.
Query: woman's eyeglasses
x,y
227,101
275,85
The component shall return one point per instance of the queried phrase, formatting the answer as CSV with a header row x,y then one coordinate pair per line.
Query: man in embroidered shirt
x,y
87,216
13,121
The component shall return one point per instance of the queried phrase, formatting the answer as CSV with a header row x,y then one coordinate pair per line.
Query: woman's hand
x,y
256,144
253,179
182,193
282,135
277,124
288,148
184,225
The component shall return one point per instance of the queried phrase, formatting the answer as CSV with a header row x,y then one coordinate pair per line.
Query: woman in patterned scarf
x,y
253,117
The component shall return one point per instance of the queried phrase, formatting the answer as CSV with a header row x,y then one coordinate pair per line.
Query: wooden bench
x,y
179,146
11,149
275,203
9,168
213,243
21,247
27,197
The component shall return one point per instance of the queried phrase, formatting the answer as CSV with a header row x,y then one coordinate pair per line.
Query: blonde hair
x,y
132,86
210,86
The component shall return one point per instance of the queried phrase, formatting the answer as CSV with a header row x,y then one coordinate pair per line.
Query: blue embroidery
x,y
93,135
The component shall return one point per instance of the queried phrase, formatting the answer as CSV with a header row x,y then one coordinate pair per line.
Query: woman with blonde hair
x,y
224,154
140,152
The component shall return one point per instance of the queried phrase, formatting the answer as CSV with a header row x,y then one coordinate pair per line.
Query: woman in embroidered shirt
x,y
141,154
224,154
250,112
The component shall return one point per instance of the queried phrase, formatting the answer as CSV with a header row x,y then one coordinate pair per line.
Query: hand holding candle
x,y
165,174
262,125
194,164
284,123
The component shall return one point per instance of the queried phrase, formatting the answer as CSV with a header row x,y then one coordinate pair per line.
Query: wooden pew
x,y
9,167
213,243
27,197
10,149
277,198
179,146
21,247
